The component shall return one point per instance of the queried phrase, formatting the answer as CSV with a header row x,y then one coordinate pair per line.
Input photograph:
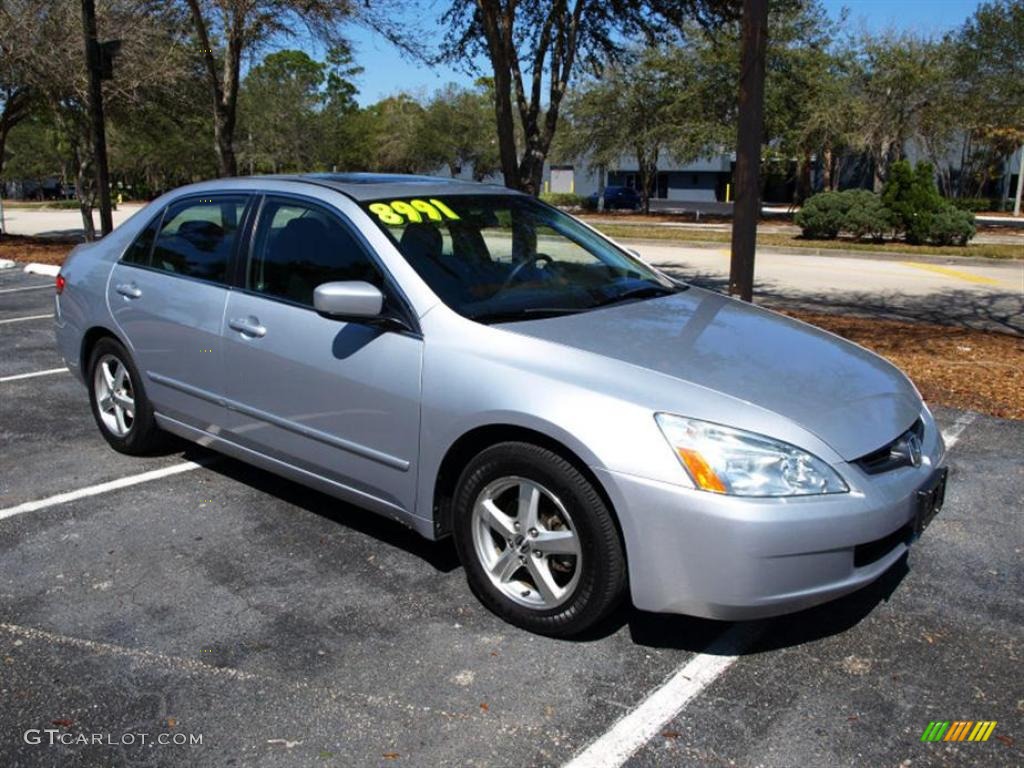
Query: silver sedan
x,y
474,363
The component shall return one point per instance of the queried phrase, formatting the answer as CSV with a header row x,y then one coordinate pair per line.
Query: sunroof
x,y
377,178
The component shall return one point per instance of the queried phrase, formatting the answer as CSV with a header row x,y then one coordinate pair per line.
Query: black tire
x,y
602,577
143,436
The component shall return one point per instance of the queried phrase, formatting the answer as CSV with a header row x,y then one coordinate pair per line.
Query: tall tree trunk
x,y
497,31
803,187
83,181
531,168
647,167
223,133
223,85
826,168
748,148
1020,184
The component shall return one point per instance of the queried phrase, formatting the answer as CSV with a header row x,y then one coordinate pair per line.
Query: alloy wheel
x,y
526,542
115,395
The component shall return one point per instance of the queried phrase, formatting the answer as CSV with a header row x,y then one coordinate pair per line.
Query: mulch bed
x,y
37,249
956,367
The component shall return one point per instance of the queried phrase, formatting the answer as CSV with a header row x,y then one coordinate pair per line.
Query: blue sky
x,y
386,72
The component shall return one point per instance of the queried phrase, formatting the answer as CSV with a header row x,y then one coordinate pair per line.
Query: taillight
x,y
60,283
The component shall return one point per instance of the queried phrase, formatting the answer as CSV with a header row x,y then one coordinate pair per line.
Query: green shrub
x,y
948,226
822,215
866,215
856,211
562,199
977,204
911,195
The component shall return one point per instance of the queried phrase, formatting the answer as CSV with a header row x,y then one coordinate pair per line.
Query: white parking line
x,y
27,288
95,490
636,728
952,435
27,317
32,375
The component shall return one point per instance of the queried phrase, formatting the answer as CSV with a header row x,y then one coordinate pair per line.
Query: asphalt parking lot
x,y
284,628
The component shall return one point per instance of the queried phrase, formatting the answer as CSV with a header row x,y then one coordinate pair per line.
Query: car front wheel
x,y
537,540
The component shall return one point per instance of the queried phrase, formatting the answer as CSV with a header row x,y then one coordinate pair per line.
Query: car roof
x,y
374,186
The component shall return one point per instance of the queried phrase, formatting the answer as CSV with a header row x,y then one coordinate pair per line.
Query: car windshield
x,y
500,258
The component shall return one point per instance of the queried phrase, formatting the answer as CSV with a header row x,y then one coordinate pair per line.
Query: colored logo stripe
x,y
982,731
958,730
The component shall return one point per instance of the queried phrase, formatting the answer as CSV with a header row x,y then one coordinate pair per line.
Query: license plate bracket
x,y
930,498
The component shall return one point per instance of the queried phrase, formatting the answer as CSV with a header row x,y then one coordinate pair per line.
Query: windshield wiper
x,y
527,313
641,292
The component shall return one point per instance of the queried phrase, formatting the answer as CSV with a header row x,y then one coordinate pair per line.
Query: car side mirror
x,y
349,298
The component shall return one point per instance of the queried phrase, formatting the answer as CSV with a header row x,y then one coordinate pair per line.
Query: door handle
x,y
249,326
128,290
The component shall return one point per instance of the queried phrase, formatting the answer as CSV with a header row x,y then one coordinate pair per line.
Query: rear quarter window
x,y
141,249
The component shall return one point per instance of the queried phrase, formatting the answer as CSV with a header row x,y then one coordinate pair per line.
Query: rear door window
x,y
198,235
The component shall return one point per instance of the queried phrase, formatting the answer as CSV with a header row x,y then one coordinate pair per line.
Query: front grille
x,y
892,455
866,554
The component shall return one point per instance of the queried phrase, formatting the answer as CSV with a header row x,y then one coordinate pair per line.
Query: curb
x,y
34,268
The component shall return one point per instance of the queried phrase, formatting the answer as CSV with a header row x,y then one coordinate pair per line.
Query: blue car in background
x,y
617,197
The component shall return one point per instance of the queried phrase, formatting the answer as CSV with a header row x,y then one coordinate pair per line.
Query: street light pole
x,y
99,134
748,148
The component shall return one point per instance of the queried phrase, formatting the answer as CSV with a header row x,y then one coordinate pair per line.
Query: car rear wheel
x,y
119,403
538,543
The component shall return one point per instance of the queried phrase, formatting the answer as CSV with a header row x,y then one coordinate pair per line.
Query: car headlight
x,y
731,461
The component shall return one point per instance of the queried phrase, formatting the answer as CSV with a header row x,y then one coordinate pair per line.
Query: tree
x,y
279,106
991,67
393,124
47,46
15,95
227,29
529,41
905,90
457,130
647,105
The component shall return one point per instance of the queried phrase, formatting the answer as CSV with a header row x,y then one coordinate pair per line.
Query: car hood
x,y
850,398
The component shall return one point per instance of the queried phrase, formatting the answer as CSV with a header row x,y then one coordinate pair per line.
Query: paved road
x,y
53,222
983,294
288,629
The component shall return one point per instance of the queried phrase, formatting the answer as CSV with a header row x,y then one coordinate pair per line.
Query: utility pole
x,y
748,148
94,56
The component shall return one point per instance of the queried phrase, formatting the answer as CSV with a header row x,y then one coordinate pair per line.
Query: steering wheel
x,y
518,268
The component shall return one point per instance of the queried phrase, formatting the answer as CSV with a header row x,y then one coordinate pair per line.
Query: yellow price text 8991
x,y
399,212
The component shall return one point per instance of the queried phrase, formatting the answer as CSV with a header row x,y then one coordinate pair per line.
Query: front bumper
x,y
722,557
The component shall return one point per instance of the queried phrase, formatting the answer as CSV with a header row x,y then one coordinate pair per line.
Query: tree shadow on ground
x,y
989,310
